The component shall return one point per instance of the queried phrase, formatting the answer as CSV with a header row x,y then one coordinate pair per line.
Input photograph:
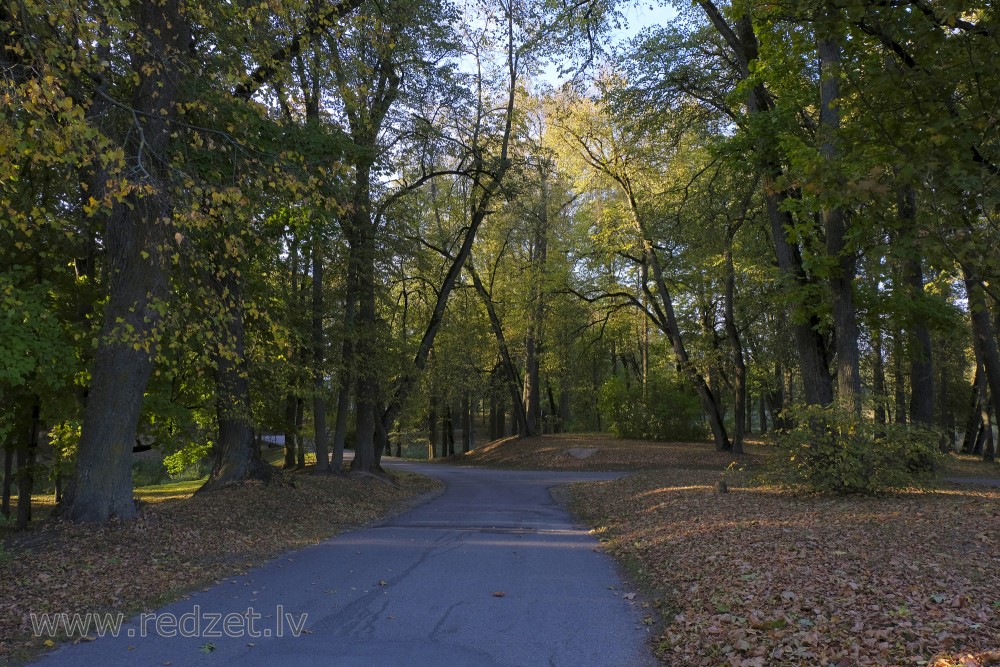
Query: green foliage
x,y
833,451
64,437
669,411
185,460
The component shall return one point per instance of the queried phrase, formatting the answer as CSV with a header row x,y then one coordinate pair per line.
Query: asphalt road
x,y
491,572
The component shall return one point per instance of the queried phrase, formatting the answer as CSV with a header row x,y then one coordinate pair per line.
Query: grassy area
x,y
759,576
178,544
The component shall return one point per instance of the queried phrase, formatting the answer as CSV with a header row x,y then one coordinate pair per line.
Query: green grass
x,y
171,490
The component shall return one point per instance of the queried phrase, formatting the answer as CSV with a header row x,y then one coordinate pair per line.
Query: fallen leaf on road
x,y
499,594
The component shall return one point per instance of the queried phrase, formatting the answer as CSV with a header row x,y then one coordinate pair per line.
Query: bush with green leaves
x,y
668,411
834,451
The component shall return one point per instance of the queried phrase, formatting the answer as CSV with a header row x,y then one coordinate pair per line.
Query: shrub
x,y
668,411
832,451
148,472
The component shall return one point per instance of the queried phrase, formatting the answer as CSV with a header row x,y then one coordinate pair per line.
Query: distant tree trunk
x,y
921,366
899,381
447,437
346,375
492,425
234,456
762,413
290,434
318,354
732,332
467,435
563,409
878,376
432,426
382,443
776,399
553,407
137,239
300,439
947,419
26,454
8,477
291,399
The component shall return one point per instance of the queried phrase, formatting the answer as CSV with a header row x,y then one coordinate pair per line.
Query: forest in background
x,y
377,221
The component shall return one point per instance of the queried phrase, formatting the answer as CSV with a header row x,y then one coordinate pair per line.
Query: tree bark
x,y
978,404
290,433
921,366
898,379
984,339
318,350
136,240
878,376
235,459
533,340
300,438
8,477
26,454
762,413
467,435
346,374
366,387
733,334
835,219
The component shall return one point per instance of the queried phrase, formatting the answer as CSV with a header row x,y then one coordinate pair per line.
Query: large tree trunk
x,y
366,388
984,338
136,240
835,219
978,404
